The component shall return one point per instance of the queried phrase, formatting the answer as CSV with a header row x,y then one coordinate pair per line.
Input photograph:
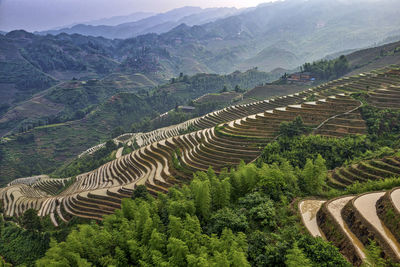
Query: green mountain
x,y
31,63
18,77
69,100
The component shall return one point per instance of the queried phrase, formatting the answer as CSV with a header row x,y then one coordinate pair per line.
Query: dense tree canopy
x,y
293,128
213,221
328,69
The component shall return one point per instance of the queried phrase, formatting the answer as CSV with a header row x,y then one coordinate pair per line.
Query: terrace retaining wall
x,y
365,231
388,213
335,234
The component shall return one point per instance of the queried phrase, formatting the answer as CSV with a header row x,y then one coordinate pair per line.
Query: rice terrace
x,y
236,135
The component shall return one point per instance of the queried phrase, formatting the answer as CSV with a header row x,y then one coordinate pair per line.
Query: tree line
x,y
328,69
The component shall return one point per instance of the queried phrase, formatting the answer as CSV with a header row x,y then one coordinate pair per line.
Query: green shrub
x,y
293,128
334,150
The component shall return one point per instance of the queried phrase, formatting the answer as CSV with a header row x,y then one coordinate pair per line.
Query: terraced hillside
x,y
206,121
386,98
172,160
365,82
223,139
382,80
43,182
351,221
365,170
329,224
350,123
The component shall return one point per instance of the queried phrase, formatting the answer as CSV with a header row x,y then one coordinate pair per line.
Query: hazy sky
x,y
34,15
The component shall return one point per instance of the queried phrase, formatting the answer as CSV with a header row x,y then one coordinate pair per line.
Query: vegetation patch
x,y
364,230
328,69
334,234
88,162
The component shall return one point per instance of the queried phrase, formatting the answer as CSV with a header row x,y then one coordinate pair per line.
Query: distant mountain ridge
x,y
276,35
113,21
158,23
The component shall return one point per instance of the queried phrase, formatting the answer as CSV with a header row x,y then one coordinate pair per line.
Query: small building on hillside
x,y
301,77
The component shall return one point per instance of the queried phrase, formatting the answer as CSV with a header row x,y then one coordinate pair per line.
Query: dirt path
x,y
308,210
335,208
365,204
